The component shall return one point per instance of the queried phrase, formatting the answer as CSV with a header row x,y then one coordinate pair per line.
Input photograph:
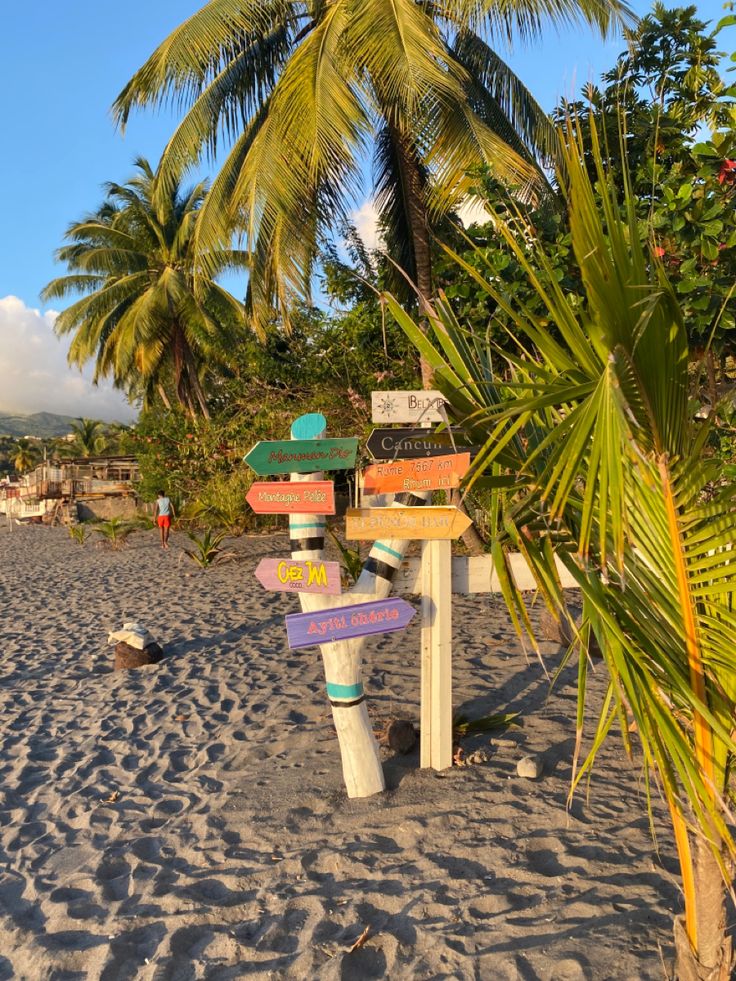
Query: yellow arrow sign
x,y
370,524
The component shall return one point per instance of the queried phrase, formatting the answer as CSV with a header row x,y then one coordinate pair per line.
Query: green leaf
x,y
705,150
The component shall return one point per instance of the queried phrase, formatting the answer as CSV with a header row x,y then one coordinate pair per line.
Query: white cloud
x,y
35,376
365,220
473,212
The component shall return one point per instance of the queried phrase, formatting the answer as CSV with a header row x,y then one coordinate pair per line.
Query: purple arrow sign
x,y
358,620
290,576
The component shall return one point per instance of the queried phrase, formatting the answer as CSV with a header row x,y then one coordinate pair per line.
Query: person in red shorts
x,y
164,514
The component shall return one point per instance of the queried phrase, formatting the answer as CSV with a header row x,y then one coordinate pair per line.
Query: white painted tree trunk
x,y
361,761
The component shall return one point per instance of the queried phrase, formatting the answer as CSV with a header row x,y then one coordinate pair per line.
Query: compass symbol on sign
x,y
388,406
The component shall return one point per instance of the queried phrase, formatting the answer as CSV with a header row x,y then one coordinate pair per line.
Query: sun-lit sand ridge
x,y
188,820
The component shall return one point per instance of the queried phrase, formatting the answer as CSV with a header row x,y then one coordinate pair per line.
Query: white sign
x,y
407,407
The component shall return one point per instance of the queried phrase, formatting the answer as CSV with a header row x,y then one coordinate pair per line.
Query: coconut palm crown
x,y
301,89
25,455
135,260
89,436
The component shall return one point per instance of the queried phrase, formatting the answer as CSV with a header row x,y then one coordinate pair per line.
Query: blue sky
x,y
61,66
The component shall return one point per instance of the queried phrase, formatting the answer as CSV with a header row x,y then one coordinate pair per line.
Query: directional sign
x,y
370,524
411,444
435,473
410,407
292,497
359,620
290,576
302,456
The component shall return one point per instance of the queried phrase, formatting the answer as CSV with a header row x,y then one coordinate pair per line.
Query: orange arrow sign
x,y
292,497
370,524
431,473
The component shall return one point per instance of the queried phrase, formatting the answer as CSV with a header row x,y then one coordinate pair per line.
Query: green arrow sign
x,y
302,455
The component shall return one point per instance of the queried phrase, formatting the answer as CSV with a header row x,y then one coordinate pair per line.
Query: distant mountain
x,y
42,424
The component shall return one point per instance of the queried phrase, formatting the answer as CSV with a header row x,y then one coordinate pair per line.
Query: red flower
x,y
727,172
659,251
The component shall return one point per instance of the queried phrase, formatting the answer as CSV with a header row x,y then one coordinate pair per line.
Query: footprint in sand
x,y
114,874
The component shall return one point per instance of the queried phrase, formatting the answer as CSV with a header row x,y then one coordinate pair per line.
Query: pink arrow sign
x,y
292,497
358,620
290,576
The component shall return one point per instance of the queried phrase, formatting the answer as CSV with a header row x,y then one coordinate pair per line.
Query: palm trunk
x,y
195,385
181,352
412,184
416,214
164,397
713,958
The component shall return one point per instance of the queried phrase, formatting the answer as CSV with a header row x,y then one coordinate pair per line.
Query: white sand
x,y
230,849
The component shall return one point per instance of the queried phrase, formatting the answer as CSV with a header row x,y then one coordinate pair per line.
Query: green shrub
x,y
78,533
207,550
115,531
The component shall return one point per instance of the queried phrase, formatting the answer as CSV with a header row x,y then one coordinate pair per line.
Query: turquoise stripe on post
x,y
308,524
344,691
389,551
310,426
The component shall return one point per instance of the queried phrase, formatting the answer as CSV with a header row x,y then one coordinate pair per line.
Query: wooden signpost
x,y
343,623
433,473
410,444
302,456
412,407
288,576
282,497
339,624
436,527
425,523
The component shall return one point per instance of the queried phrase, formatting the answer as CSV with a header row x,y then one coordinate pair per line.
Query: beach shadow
x,y
527,692
188,945
23,912
179,646
397,767
6,969
131,950
70,940
560,752
366,962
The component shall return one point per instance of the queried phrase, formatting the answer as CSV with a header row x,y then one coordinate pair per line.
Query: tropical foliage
x,y
302,89
328,364
89,437
592,453
666,88
78,533
115,532
207,548
25,454
135,260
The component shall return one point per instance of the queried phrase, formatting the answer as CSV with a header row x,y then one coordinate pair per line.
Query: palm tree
x,y
302,88
25,455
89,436
593,452
140,320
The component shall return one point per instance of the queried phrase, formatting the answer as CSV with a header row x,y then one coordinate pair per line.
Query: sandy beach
x,y
188,820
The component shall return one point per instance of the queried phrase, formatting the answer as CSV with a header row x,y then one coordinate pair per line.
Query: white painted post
x,y
361,760
436,656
